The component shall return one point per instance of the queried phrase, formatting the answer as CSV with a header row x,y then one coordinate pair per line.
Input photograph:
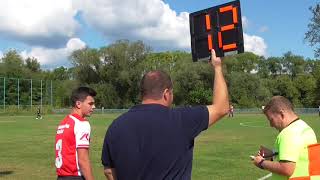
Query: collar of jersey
x,y
78,117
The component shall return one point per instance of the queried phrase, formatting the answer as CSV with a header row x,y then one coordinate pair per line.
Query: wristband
x,y
260,164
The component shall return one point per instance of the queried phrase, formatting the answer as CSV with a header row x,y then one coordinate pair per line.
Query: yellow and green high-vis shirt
x,y
292,145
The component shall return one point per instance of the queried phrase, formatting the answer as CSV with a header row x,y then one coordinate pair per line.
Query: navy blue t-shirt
x,y
153,142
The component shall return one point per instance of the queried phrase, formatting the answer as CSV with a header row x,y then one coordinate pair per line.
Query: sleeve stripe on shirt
x,y
83,145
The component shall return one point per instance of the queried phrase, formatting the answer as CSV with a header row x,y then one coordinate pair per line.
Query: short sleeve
x,y
194,120
290,145
82,134
106,152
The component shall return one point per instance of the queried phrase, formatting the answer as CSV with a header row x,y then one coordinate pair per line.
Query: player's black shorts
x,y
70,178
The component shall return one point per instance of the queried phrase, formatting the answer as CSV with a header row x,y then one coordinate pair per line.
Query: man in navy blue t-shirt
x,y
153,141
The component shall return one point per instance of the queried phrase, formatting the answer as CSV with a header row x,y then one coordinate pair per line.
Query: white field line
x,y
8,121
14,121
247,124
265,177
31,115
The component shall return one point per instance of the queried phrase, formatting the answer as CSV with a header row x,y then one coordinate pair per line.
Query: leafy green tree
x,y
313,34
12,68
247,90
262,69
283,86
274,65
188,85
107,96
199,96
246,62
60,73
62,91
13,65
306,85
115,72
32,64
87,64
121,68
293,65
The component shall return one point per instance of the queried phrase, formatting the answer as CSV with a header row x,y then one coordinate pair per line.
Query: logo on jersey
x,y
62,127
85,136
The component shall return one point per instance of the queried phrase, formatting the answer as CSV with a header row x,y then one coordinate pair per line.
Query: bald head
x,y
154,83
278,103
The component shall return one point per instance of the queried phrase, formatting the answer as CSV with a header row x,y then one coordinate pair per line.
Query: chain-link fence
x,y
259,110
96,111
239,111
21,93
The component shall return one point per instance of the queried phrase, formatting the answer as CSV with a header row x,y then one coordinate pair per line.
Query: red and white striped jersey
x,y
73,132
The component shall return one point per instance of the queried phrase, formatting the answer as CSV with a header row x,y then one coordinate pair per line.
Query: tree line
x,y
115,72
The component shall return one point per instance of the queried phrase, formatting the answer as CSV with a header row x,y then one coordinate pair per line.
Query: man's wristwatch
x,y
260,164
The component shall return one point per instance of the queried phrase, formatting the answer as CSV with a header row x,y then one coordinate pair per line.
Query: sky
x,y
50,30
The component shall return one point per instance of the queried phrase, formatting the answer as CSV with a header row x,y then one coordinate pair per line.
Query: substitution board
x,y
218,28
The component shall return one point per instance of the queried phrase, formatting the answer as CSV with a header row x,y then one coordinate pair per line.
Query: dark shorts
x,y
70,178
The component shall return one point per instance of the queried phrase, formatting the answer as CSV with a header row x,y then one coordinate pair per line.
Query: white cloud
x,y
47,25
54,57
1,54
38,22
149,20
255,44
245,22
75,44
263,29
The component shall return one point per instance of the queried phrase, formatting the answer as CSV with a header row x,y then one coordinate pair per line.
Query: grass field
x,y
221,152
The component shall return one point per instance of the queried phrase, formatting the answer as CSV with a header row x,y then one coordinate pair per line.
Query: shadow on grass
x,y
5,173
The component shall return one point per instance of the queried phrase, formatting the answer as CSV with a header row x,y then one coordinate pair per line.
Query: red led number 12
x,y
223,28
228,27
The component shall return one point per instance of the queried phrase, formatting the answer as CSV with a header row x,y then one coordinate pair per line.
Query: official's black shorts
x,y
70,178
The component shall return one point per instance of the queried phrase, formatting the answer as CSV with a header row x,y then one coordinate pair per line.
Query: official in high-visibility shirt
x,y
290,154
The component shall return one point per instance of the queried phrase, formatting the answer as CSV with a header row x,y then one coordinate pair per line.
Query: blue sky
x,y
51,29
282,24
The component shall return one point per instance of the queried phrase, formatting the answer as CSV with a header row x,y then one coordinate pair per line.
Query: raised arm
x,y
220,100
